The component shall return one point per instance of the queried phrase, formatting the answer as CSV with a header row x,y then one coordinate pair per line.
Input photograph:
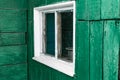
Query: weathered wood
x,y
88,9
94,7
111,51
44,33
96,50
82,9
13,54
13,21
58,34
110,9
82,50
12,38
13,72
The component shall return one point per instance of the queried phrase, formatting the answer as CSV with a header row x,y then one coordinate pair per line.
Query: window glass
x,y
50,33
67,36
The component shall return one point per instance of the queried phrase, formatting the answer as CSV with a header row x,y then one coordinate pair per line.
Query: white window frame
x,y
39,48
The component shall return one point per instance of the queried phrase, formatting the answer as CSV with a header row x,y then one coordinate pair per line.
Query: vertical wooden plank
x,y
82,9
94,7
82,50
96,50
88,9
111,51
58,35
110,9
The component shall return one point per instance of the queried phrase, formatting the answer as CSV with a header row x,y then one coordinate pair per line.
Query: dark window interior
x,y
67,35
50,34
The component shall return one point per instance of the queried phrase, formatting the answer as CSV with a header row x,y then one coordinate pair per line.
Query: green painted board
x,y
111,51
82,9
110,9
39,2
13,72
41,71
13,21
13,4
13,54
94,9
96,50
30,41
82,50
12,38
88,9
50,1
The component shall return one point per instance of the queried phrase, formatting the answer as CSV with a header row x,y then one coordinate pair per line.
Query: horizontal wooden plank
x,y
13,4
13,72
13,54
12,38
13,21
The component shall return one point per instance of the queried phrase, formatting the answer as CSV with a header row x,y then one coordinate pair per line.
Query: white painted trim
x,y
62,66
38,37
56,6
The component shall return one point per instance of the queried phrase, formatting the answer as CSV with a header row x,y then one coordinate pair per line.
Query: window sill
x,y
62,66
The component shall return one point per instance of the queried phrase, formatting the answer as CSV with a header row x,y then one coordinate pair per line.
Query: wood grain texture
x,y
111,51
82,9
13,21
88,9
94,9
13,54
13,72
110,9
12,39
82,50
96,50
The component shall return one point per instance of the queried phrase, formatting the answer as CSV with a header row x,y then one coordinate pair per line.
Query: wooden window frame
x,y
39,37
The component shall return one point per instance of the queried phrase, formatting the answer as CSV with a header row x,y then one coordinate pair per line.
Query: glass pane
x,y
67,36
50,33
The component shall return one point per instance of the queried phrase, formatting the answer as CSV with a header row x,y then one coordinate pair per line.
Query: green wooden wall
x,y
13,47
97,42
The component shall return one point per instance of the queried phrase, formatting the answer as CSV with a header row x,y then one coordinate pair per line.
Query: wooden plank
x,y
88,9
111,51
12,38
96,50
13,21
50,1
58,35
94,7
82,9
110,9
13,72
38,3
82,50
13,4
13,54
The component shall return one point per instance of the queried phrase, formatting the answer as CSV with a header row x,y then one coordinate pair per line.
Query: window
x,y
54,36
